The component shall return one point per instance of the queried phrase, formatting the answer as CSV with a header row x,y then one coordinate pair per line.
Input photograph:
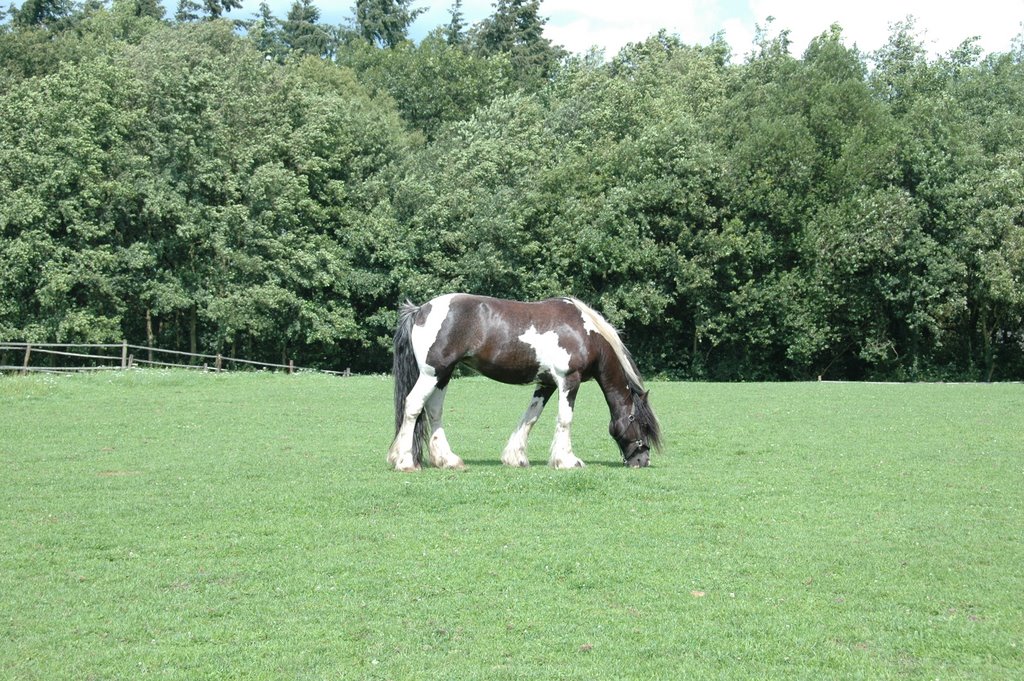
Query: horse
x,y
556,344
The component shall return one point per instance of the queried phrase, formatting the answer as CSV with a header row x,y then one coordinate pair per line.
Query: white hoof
x,y
451,462
441,456
567,462
405,464
515,458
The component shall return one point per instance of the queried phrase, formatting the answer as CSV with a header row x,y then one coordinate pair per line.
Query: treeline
x,y
274,187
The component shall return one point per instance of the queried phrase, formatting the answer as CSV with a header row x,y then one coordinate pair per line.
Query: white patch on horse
x,y
401,455
561,447
424,337
441,454
550,355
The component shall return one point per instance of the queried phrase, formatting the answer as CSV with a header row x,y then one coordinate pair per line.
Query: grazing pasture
x,y
177,525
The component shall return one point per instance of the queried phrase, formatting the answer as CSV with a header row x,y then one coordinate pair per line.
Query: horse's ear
x,y
638,391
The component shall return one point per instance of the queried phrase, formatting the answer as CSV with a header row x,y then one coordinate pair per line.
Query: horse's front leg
x,y
514,453
561,447
441,454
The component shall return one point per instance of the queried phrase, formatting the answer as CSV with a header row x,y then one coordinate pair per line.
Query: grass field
x,y
187,526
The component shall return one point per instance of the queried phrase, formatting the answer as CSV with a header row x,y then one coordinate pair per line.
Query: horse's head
x,y
636,430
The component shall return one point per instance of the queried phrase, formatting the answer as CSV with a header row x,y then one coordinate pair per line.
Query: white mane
x,y
592,318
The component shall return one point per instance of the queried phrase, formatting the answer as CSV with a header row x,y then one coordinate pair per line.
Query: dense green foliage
x,y
275,187
180,525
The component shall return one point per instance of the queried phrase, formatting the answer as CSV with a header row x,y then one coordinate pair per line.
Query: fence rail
x,y
90,360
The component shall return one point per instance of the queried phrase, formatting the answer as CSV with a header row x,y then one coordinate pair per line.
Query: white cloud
x,y
578,25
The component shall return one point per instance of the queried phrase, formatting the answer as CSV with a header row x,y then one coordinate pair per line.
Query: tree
x,y
385,22
142,8
265,31
217,8
979,209
302,31
880,284
432,83
266,195
455,31
591,189
831,213
992,251
190,10
516,29
42,12
62,265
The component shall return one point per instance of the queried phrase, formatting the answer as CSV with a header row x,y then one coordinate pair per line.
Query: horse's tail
x,y
406,371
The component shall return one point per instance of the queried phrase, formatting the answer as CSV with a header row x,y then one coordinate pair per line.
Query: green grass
x,y
188,526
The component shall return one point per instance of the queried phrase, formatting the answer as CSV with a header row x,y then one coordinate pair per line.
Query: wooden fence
x,y
123,355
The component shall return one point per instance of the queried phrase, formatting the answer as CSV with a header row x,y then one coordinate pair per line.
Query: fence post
x,y
124,354
291,366
28,355
218,363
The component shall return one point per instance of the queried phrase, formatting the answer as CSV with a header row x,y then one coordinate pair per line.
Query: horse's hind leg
x,y
401,454
441,454
515,451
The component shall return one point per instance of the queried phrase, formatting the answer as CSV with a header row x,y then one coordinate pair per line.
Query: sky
x,y
578,25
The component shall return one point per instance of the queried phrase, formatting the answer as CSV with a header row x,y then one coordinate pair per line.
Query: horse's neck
x,y
613,382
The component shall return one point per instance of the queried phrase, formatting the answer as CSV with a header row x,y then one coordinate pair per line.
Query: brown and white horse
x,y
556,344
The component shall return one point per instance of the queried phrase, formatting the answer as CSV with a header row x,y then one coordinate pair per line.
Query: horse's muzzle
x,y
640,459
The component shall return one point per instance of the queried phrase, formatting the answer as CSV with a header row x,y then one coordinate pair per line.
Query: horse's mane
x,y
609,333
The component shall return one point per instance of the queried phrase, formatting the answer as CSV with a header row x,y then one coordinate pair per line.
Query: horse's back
x,y
506,340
